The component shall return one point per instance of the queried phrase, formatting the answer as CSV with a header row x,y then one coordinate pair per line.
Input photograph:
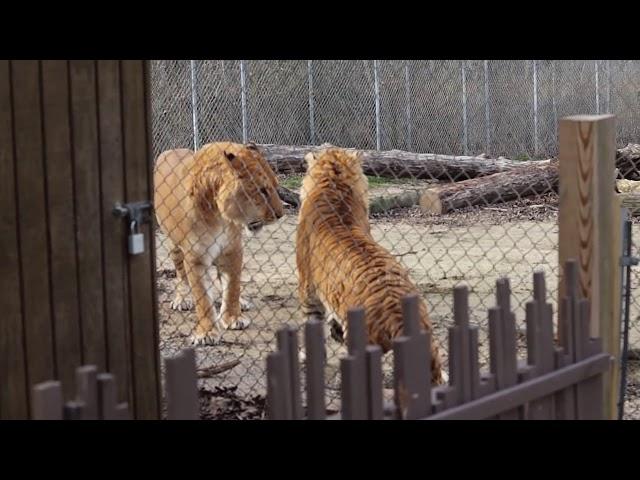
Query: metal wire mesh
x,y
496,108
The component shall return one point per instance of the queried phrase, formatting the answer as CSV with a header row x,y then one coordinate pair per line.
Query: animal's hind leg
x,y
181,300
312,309
336,330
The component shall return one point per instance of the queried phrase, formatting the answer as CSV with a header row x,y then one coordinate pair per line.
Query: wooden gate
x,y
75,140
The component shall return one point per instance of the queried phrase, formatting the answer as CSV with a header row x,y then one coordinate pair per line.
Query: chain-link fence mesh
x,y
483,109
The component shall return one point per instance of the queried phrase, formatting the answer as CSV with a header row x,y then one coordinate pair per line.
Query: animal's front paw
x,y
246,305
181,303
231,322
210,338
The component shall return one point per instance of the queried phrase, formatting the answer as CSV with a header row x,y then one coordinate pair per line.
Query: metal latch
x,y
136,213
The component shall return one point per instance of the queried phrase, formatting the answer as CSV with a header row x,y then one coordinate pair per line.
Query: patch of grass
x,y
382,181
293,182
522,157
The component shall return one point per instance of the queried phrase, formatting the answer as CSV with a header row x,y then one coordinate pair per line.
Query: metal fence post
x,y
376,89
608,86
465,132
535,107
407,86
597,88
243,100
486,104
312,129
626,262
194,106
554,105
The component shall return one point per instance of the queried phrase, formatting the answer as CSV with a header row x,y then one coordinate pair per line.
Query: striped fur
x,y
340,266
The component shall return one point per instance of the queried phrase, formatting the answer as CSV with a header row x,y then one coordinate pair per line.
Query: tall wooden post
x,y
589,228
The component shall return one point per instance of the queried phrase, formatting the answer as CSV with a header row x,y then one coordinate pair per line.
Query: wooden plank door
x,y
74,140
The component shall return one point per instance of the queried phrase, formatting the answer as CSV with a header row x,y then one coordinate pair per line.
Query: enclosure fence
x,y
496,107
462,186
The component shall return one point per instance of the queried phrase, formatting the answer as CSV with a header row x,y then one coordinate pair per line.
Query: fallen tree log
x,y
631,201
628,161
497,188
288,159
391,202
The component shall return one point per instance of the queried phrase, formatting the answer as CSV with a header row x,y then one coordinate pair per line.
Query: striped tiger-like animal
x,y
340,265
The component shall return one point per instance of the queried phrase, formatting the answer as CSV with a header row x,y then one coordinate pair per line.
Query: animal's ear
x,y
355,155
310,158
230,156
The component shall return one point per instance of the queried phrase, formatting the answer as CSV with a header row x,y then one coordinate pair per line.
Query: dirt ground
x,y
475,247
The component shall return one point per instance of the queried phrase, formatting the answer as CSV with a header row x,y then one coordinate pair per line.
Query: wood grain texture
x,y
14,396
588,229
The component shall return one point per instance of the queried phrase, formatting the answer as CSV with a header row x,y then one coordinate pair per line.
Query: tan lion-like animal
x,y
203,200
340,266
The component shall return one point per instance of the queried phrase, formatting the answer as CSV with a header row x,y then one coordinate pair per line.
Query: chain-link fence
x,y
464,112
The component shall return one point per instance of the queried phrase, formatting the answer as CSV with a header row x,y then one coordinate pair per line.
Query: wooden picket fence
x,y
96,394
562,381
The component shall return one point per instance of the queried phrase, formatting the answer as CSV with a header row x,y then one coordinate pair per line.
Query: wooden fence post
x,y
588,221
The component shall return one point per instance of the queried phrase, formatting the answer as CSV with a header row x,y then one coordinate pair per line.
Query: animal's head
x,y
335,168
240,182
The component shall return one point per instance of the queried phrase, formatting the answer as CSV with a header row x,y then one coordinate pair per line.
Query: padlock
x,y
136,240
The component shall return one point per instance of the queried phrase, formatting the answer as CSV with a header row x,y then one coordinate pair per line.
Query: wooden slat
x,y
114,230
374,382
589,398
508,331
565,400
62,221
316,356
182,386
356,366
87,391
540,353
283,341
277,387
474,363
356,331
354,405
510,398
47,401
545,311
532,320
73,410
82,79
32,208
107,397
294,361
412,365
496,352
14,395
141,268
123,412
464,371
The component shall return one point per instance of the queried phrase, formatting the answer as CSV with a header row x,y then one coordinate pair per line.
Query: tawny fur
x,y
203,201
340,266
